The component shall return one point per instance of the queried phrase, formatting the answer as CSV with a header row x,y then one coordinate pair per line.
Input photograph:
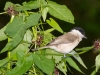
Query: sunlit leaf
x,y
62,67
60,11
28,36
4,61
54,24
49,30
43,3
23,65
84,49
3,36
93,72
55,55
47,37
44,13
73,64
17,28
45,64
97,62
28,6
78,58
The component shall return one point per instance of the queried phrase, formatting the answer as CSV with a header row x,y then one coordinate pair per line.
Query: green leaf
x,y
49,30
21,47
17,28
97,62
23,65
84,49
45,64
62,67
44,13
28,36
93,72
43,3
78,58
60,11
20,55
54,24
73,64
28,6
6,47
4,61
3,36
47,37
55,55
7,5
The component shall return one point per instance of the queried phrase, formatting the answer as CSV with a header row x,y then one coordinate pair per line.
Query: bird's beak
x,y
85,37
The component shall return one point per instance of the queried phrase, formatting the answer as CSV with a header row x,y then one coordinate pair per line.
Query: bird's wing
x,y
64,39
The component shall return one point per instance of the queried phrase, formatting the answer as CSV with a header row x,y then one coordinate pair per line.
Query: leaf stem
x,y
50,54
3,13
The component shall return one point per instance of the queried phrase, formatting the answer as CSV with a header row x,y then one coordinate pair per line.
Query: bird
x,y
66,42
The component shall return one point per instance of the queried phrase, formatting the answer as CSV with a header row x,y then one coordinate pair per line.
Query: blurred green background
x,y
87,16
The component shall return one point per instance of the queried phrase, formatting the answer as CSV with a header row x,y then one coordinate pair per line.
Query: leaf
x,y
7,5
97,62
78,58
21,47
73,64
49,30
28,36
45,64
55,55
84,49
4,61
44,13
20,55
47,38
62,67
43,3
23,65
28,6
17,28
54,24
6,47
3,36
61,12
93,72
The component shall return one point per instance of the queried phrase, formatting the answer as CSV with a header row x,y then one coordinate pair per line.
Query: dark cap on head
x,y
80,30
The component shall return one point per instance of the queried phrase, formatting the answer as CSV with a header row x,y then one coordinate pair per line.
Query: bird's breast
x,y
66,48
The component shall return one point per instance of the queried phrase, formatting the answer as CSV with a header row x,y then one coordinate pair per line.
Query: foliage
x,y
96,48
25,31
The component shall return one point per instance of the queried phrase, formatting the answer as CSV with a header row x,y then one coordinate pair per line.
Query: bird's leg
x,y
70,53
64,55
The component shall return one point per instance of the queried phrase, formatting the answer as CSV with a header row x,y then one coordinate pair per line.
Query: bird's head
x,y
79,32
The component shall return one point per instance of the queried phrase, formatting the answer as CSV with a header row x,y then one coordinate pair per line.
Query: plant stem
x,y
8,66
2,13
8,54
35,38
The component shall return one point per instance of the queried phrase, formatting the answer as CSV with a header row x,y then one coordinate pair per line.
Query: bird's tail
x,y
39,48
